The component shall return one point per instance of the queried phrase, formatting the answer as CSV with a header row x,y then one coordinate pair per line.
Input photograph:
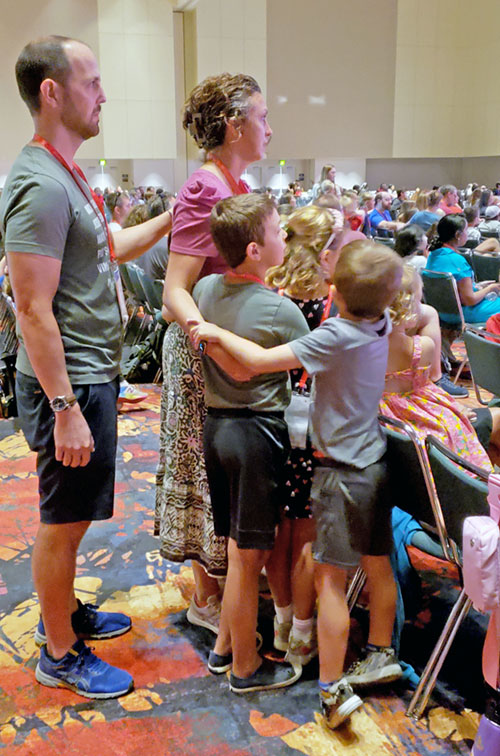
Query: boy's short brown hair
x,y
237,221
367,276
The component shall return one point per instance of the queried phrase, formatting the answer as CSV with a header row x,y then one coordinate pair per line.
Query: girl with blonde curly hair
x,y
304,276
411,396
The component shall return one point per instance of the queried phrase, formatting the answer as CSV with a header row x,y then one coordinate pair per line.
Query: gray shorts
x,y
352,509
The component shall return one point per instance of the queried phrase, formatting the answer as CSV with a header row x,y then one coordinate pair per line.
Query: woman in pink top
x,y
227,117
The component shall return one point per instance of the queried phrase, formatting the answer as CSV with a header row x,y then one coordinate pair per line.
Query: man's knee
x,y
61,536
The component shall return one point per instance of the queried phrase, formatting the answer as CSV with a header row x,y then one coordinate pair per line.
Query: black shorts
x,y
352,509
245,455
72,494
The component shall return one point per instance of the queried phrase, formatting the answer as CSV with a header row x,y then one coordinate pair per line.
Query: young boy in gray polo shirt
x,y
347,356
245,435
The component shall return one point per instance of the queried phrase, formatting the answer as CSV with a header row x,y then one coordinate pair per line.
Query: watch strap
x,y
61,403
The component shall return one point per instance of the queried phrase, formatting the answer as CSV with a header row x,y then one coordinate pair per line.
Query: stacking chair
x,y
388,241
459,495
471,244
426,483
483,352
411,485
486,267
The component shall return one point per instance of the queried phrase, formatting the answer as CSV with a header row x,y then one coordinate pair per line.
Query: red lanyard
x,y
236,188
97,200
244,276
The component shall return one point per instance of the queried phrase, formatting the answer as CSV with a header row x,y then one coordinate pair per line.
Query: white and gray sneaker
x,y
380,666
338,703
207,616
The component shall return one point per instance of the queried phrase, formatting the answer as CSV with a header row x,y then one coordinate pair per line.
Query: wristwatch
x,y
61,403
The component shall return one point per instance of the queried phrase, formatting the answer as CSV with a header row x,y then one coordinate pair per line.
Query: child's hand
x,y
202,332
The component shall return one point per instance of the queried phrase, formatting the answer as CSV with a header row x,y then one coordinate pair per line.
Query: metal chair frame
x,y
462,605
483,352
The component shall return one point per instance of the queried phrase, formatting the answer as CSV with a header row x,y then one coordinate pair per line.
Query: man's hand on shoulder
x,y
72,437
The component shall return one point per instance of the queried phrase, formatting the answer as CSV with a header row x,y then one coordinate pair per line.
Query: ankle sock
x,y
326,686
283,613
378,649
302,629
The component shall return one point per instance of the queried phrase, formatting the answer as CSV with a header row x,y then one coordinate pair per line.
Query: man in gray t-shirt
x,y
70,308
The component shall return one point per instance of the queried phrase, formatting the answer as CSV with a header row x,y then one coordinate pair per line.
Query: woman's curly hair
x,y
213,102
309,229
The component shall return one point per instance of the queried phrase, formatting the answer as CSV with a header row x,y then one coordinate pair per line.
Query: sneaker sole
x,y
344,711
271,686
392,673
302,659
54,682
219,670
40,639
194,620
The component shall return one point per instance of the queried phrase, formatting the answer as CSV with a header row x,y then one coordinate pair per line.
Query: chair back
x,y
409,474
440,291
462,489
483,352
136,281
486,267
388,241
471,243
489,234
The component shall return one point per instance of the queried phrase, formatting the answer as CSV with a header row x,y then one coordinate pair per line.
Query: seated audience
x,y
490,223
427,209
380,217
411,244
476,301
449,204
490,246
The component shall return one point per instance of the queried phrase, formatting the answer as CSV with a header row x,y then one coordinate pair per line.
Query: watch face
x,y
58,403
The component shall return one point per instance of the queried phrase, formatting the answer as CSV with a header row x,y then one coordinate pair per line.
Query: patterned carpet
x,y
177,706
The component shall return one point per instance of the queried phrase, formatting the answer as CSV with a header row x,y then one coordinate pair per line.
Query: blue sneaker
x,y
90,624
83,672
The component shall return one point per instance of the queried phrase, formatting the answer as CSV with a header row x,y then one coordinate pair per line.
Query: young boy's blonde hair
x,y
308,231
367,276
237,221
404,307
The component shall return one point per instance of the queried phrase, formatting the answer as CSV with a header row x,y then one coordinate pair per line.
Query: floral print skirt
x,y
183,513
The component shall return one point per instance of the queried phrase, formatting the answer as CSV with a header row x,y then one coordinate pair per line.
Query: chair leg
x,y
433,667
459,371
355,588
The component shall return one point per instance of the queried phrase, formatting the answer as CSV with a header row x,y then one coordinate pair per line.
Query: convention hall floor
x,y
177,707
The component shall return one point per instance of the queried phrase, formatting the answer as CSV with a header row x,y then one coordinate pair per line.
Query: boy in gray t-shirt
x,y
347,357
245,435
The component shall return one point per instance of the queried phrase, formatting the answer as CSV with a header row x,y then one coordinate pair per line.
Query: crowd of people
x,y
254,290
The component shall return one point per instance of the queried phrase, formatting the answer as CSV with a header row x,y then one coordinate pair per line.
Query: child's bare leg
x,y
278,566
239,607
333,620
383,597
302,568
204,585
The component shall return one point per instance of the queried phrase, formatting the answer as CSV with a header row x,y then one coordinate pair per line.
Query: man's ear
x,y
253,251
50,93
